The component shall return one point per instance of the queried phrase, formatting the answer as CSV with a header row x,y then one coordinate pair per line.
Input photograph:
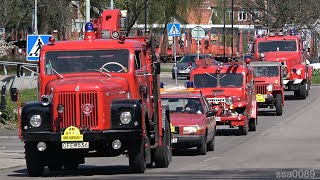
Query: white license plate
x,y
75,145
174,140
217,118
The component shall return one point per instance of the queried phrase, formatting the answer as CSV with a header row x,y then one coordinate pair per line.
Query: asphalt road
x,y
282,147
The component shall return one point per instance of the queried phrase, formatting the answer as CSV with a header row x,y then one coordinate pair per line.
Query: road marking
x,y
211,158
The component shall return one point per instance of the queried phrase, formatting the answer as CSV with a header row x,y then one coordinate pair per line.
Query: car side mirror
x,y
156,68
14,94
211,113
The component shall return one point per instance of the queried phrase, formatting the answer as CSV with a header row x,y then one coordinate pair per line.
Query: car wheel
x,y
202,149
245,128
252,124
303,90
278,104
33,159
211,144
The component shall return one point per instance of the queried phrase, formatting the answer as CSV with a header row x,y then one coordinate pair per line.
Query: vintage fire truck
x,y
230,90
287,49
99,97
269,85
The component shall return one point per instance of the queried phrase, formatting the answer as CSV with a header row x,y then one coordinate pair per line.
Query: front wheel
x,y
163,154
303,90
279,105
252,124
245,128
202,149
211,144
33,159
137,158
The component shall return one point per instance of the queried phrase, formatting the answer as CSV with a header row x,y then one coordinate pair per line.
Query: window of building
x,y
242,16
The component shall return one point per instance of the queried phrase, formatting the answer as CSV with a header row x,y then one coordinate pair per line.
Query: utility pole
x,y
87,10
145,15
111,4
224,30
36,17
232,2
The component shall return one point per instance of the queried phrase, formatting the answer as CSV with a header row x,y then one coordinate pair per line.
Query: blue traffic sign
x,y
34,44
174,29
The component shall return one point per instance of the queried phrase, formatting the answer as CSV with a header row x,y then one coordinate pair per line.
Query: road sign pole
x,y
198,44
175,60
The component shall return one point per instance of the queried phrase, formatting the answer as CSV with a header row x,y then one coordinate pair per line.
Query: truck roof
x,y
264,63
277,37
93,44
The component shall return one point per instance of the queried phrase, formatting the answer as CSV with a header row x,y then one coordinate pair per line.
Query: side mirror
x,y
156,68
211,113
19,70
14,94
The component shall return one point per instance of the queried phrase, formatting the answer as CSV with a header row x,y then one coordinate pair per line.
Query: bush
x,y
9,113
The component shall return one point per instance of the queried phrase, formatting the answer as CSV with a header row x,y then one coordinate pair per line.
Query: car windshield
x,y
270,46
215,80
187,59
65,62
266,71
184,105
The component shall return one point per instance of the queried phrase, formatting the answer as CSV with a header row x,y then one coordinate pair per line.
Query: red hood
x,y
266,80
90,83
186,119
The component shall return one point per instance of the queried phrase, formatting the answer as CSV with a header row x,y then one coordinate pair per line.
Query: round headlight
x,y
229,101
269,87
35,120
60,109
125,117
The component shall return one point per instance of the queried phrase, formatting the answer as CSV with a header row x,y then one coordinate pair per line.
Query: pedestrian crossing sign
x,y
174,29
34,44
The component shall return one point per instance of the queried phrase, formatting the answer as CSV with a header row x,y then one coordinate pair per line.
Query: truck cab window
x,y
137,61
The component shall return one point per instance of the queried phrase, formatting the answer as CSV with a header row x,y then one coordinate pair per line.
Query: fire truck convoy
x,y
99,97
288,50
230,90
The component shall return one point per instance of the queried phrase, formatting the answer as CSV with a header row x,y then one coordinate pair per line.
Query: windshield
x,y
215,80
184,105
263,71
270,46
187,59
65,62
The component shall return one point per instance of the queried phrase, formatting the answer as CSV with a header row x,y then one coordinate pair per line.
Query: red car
x,y
192,120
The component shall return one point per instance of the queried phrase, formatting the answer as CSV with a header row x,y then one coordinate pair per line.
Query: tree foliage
x,y
277,13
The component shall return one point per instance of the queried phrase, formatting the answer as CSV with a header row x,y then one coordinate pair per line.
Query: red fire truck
x,y
99,97
230,90
288,50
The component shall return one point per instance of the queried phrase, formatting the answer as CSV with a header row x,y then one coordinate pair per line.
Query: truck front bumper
x,y
230,120
49,136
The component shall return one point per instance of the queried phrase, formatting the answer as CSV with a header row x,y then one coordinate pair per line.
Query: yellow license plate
x,y
172,128
71,134
260,98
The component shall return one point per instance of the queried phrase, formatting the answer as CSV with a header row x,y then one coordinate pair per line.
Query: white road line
x,y
211,158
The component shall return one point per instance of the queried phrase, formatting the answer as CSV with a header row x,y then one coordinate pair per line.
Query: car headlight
x,y
125,117
190,129
35,120
298,72
269,87
229,101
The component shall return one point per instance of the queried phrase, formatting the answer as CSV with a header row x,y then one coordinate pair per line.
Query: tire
x,y
279,105
137,158
303,90
296,93
202,149
245,128
33,160
163,154
55,166
252,124
211,144
71,165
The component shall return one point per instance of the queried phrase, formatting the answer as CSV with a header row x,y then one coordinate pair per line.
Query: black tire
x,y
202,149
279,109
252,124
303,90
55,166
163,154
245,128
296,93
137,161
71,165
33,159
211,144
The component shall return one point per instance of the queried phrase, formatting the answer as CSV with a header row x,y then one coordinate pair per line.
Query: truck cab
x,y
268,80
97,97
229,89
288,50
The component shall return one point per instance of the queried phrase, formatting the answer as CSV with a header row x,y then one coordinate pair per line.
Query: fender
x,y
302,69
36,108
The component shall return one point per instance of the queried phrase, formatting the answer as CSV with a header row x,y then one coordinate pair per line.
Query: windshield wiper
x,y
100,71
210,75
55,72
